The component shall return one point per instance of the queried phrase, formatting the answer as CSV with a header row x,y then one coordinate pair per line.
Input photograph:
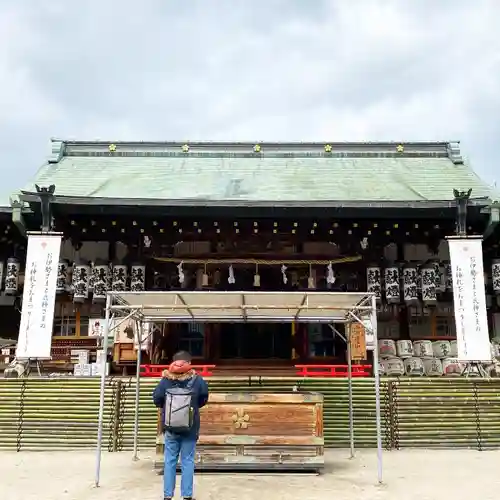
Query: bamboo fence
x,y
61,413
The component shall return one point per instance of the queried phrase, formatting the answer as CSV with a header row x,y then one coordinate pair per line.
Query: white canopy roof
x,y
212,306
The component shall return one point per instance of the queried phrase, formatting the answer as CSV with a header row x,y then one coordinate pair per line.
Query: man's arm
x,y
202,393
159,394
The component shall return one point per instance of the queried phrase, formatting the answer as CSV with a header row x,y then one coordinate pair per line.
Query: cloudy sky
x,y
248,70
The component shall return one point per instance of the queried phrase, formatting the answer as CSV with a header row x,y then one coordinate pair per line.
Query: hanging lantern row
x,y
84,278
413,282
409,282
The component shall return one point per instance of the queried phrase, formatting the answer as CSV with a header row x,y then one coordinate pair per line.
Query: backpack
x,y
179,408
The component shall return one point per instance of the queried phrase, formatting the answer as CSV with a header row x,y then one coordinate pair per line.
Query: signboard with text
x,y
357,340
469,299
39,297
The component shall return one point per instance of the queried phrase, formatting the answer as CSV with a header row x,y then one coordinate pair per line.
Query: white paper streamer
x,y
283,272
231,279
181,273
330,277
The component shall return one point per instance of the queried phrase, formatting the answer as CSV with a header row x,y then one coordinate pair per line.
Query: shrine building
x,y
161,216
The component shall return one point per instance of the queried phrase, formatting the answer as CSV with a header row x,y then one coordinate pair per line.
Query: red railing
x,y
333,370
302,370
156,370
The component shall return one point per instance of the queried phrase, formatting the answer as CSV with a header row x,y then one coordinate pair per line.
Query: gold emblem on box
x,y
241,419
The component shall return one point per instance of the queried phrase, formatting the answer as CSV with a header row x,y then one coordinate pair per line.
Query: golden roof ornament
x,y
185,148
112,148
328,148
400,148
256,148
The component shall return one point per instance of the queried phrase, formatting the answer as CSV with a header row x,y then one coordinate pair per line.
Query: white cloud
x,y
233,69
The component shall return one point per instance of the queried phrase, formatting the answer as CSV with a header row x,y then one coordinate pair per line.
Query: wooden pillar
x,y
207,350
293,327
215,342
77,323
403,317
305,340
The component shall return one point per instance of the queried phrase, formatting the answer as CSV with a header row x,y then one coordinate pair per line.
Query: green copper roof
x,y
5,205
271,173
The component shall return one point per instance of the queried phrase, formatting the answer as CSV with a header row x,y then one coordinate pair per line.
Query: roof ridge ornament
x,y
400,148
112,148
185,148
57,151
257,148
462,200
453,149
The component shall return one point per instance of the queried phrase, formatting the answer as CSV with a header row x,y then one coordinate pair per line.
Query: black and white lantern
x,y
12,276
100,272
62,276
137,278
2,269
448,277
92,277
119,283
495,276
110,276
410,283
81,279
374,281
428,276
440,281
392,278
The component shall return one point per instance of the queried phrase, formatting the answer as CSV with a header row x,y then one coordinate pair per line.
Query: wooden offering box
x,y
258,431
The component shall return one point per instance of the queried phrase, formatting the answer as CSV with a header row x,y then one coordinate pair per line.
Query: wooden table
x,y
258,431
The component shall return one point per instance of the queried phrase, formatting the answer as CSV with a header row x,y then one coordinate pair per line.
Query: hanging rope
x,y
261,262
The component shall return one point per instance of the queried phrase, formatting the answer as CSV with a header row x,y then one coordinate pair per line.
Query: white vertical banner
x,y
39,296
469,299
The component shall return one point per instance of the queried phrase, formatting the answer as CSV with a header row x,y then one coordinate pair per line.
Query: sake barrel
x,y
492,370
423,349
441,349
413,367
433,367
494,350
497,349
404,348
393,367
381,368
454,348
387,347
452,367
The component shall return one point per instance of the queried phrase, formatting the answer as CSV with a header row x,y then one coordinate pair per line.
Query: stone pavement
x,y
409,475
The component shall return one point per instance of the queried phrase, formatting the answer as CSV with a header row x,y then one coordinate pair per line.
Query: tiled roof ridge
x,y
213,149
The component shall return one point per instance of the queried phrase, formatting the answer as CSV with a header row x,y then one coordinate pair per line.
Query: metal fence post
x,y
116,415
20,417
389,415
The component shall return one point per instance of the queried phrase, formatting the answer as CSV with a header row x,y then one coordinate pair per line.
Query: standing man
x,y
180,394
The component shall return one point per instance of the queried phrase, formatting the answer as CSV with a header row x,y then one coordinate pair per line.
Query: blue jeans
x,y
185,446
